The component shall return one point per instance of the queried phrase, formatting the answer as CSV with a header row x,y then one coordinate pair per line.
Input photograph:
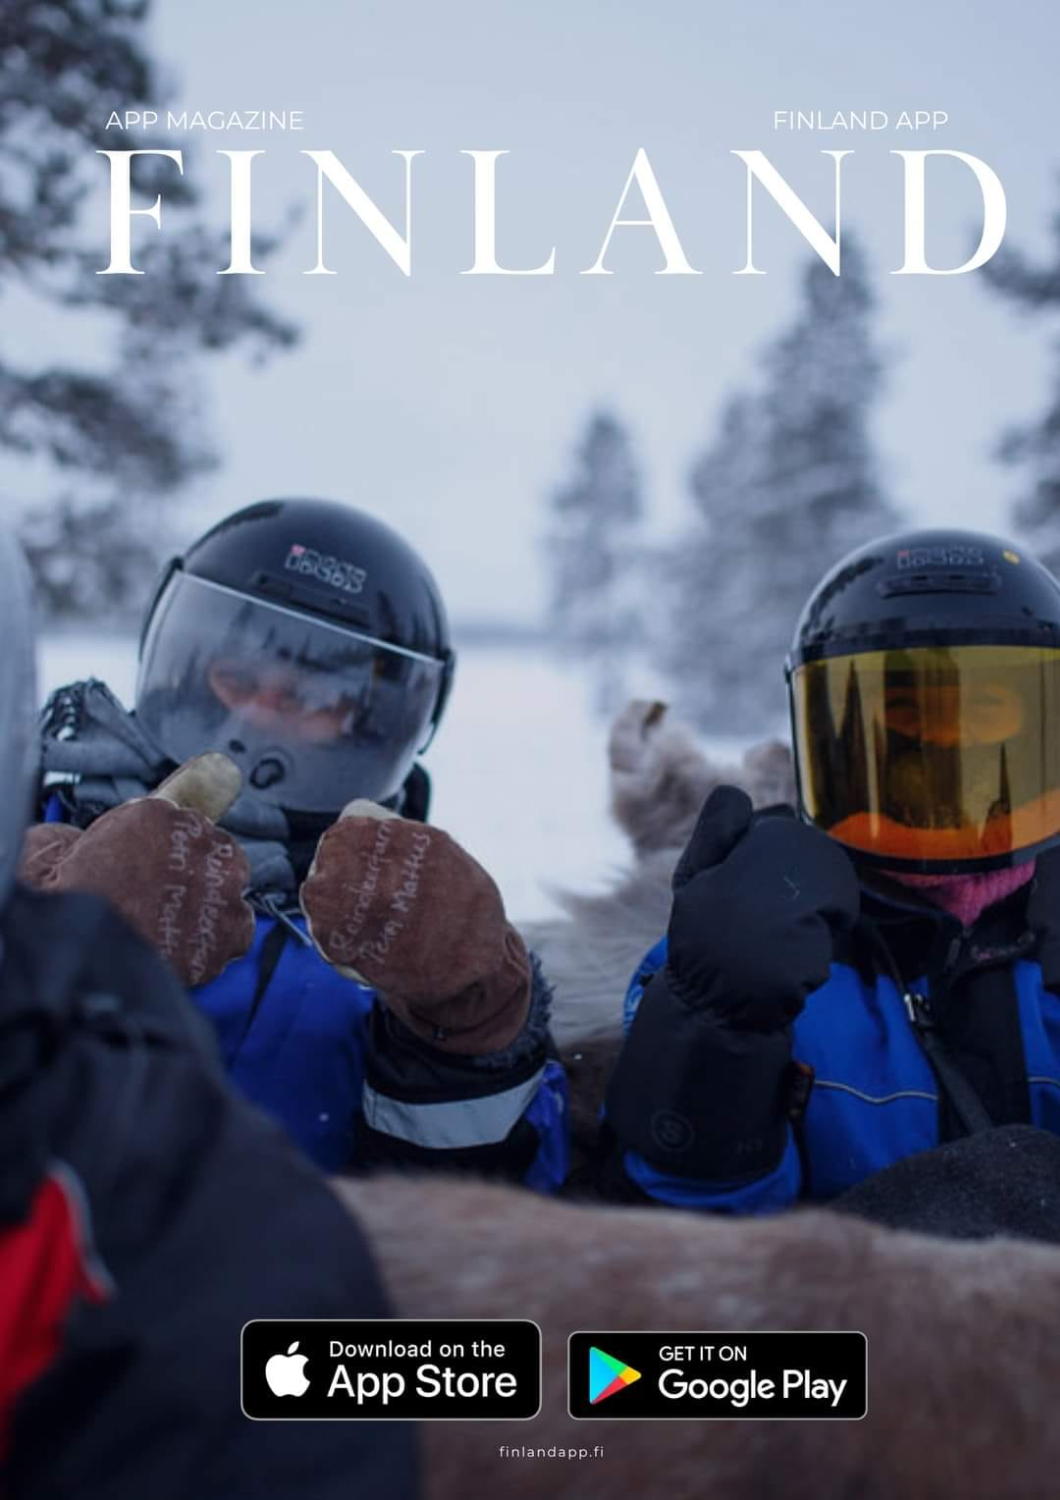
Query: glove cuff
x,y
697,1098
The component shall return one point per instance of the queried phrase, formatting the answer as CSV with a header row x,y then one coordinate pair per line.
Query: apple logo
x,y
285,1373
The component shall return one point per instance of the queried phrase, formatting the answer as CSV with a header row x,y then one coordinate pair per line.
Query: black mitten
x,y
702,1086
756,903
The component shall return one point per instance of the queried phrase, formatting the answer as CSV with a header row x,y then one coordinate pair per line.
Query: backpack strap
x,y
963,1099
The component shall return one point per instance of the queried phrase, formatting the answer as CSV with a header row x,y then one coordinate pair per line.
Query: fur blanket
x,y
1001,1181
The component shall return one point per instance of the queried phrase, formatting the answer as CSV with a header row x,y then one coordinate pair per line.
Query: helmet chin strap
x,y
966,897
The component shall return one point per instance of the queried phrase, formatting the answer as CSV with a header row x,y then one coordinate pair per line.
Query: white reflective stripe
x,y
824,1083
1052,1082
451,1126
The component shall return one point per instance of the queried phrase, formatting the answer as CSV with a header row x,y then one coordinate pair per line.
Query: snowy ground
x,y
518,766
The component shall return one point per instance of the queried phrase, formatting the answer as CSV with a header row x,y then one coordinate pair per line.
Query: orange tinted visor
x,y
942,758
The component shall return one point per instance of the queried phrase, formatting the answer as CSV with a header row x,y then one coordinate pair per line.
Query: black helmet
x,y
20,746
306,640
924,683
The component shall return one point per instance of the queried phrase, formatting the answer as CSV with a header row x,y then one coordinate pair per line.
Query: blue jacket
x,y
298,1052
296,1041
875,1096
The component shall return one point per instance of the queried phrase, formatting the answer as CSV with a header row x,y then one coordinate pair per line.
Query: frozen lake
x,y
518,766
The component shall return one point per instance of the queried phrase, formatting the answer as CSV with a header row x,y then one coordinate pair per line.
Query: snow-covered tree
x,y
1035,447
788,485
118,421
591,558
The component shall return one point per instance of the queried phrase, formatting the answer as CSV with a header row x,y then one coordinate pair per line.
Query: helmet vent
x,y
948,581
311,599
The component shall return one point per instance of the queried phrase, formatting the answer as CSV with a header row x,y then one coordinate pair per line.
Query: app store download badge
x,y
626,1375
353,1369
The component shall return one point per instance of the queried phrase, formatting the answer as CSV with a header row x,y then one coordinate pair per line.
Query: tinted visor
x,y
314,714
940,758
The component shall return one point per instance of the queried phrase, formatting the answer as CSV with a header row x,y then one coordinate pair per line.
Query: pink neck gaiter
x,y
966,897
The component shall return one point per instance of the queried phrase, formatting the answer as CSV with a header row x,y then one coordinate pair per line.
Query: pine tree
x,y
1036,446
787,487
124,421
591,558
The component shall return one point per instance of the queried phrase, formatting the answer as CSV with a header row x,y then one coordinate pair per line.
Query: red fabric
x,y
43,1270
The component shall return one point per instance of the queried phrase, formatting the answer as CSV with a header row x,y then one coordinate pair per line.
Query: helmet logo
x,y
940,557
341,575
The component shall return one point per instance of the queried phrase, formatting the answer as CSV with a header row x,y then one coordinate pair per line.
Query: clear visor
x,y
936,758
313,714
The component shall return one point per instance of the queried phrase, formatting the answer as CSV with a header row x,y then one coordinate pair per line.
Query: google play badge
x,y
608,1376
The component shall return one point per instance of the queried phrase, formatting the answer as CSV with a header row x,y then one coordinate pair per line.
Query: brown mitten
x,y
164,865
401,907
44,847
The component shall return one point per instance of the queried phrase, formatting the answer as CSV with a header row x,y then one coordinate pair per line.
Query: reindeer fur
x,y
963,1344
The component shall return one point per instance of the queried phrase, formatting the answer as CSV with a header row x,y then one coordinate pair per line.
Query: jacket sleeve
x,y
503,1114
200,1217
653,1147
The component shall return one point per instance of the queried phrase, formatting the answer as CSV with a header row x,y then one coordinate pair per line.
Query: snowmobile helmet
x,y
20,746
924,686
306,640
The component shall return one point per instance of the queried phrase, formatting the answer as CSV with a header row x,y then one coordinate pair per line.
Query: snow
x,y
518,766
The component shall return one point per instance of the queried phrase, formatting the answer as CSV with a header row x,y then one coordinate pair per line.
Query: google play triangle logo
x,y
608,1376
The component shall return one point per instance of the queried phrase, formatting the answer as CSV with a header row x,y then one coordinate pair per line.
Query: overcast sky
x,y
450,404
